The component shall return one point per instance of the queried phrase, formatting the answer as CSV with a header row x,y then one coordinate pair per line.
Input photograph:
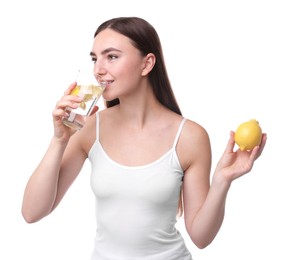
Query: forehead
x,y
109,38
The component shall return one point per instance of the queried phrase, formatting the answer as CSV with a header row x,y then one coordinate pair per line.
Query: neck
x,y
138,111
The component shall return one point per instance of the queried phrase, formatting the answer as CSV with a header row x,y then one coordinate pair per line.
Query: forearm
x,y
41,189
209,218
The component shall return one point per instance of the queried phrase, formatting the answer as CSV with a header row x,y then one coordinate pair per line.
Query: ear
x,y
148,63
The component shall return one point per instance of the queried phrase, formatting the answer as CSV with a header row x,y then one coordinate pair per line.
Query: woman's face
x,y
117,62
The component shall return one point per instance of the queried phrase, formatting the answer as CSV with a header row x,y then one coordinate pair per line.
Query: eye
x,y
112,57
94,59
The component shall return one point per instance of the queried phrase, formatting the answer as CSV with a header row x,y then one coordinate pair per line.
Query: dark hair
x,y
146,40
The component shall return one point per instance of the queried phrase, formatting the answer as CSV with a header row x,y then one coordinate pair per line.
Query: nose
x,y
99,68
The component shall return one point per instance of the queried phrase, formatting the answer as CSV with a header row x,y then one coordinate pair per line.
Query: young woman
x,y
146,157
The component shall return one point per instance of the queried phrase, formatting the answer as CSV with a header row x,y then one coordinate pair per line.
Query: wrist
x,y
220,181
61,143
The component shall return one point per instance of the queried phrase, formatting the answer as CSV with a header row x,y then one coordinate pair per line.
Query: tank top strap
x,y
178,132
97,126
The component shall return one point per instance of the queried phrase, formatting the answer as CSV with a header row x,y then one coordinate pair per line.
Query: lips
x,y
105,83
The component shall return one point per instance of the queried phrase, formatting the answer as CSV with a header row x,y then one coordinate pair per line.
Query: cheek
x,y
132,72
127,75
132,65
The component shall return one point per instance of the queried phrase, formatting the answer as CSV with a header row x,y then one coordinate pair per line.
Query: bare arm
x,y
204,204
205,217
58,168
50,180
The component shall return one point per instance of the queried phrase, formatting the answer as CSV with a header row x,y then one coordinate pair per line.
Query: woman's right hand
x,y
61,131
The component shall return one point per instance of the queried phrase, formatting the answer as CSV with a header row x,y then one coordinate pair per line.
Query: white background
x,y
227,61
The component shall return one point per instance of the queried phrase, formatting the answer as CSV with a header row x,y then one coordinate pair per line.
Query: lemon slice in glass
x,y
75,91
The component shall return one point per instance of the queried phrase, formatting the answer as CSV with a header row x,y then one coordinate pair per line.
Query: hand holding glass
x,y
89,89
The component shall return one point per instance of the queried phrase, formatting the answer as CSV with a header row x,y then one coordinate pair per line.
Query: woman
x,y
146,157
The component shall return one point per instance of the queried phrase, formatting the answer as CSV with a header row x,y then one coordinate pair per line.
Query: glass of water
x,y
90,90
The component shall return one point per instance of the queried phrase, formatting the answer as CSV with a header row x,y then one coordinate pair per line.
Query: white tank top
x,y
136,206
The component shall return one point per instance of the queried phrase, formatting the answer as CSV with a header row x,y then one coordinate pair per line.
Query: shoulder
x,y
194,132
87,135
194,144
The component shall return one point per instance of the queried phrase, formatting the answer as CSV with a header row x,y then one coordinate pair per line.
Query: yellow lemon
x,y
248,135
75,91
87,97
82,105
97,90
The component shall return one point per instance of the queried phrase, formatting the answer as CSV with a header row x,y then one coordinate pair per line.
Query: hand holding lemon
x,y
248,135
234,164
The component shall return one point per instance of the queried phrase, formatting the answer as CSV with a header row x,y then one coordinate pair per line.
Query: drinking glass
x,y
90,90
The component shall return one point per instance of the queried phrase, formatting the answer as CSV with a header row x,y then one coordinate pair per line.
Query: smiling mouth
x,y
106,83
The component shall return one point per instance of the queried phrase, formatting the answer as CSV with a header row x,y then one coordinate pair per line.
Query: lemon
x,y
248,135
82,105
97,90
87,97
76,90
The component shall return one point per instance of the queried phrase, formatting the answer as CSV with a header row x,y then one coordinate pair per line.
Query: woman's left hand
x,y
234,164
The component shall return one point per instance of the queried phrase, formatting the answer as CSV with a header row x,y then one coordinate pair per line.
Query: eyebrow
x,y
105,51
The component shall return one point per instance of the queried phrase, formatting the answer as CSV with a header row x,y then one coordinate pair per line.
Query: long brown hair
x,y
145,38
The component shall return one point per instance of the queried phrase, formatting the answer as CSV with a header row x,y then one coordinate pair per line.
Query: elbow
x,y
28,217
199,241
32,214
201,245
